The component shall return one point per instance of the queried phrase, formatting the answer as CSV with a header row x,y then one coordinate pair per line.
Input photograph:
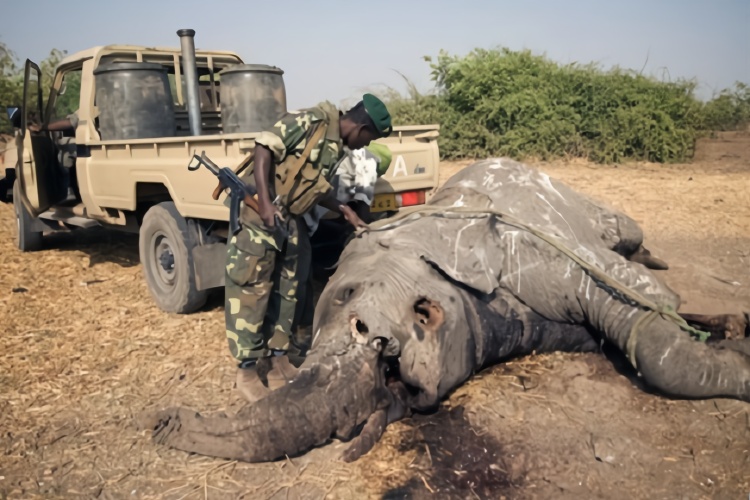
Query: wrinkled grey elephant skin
x,y
419,304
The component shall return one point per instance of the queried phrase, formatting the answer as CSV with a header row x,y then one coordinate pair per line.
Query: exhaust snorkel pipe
x,y
187,44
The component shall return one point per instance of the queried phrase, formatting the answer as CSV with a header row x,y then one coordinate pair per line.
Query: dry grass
x,y
83,351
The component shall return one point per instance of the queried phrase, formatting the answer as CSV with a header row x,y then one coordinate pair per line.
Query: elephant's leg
x,y
668,357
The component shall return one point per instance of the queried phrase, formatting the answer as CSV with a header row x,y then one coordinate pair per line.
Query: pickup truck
x,y
142,185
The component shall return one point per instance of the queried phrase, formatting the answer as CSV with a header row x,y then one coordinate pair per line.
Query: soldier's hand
x,y
268,213
352,217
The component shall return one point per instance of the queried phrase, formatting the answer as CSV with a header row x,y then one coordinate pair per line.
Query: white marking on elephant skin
x,y
641,280
521,269
459,202
512,235
487,268
666,353
518,263
547,184
458,240
703,378
568,270
489,181
315,336
540,195
522,178
586,255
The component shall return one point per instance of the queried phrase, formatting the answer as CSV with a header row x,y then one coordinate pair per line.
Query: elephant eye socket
x,y
344,296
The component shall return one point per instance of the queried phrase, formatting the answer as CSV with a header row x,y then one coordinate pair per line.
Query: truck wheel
x,y
166,245
28,239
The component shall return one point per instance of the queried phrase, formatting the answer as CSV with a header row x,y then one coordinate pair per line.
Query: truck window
x,y
173,86
69,96
205,76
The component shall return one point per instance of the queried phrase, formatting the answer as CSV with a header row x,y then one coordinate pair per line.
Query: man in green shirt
x,y
292,166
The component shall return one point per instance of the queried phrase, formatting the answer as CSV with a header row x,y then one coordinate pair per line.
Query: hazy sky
x,y
336,50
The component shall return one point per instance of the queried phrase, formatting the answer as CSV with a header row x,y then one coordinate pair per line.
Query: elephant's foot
x,y
739,345
643,256
720,326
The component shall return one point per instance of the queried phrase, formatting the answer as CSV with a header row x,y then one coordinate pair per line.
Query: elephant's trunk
x,y
330,397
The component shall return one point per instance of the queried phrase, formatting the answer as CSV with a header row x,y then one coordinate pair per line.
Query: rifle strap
x,y
239,168
296,164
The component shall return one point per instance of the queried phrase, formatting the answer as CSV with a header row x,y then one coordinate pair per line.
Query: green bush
x,y
11,81
730,110
514,103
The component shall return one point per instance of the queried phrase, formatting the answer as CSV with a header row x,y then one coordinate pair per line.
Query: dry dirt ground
x,y
83,351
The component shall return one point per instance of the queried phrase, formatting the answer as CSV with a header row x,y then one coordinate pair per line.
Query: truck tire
x,y
166,249
28,238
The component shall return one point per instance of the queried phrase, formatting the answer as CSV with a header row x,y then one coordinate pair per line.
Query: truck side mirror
x,y
14,116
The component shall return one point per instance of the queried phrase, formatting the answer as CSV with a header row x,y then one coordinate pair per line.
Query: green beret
x,y
378,113
383,155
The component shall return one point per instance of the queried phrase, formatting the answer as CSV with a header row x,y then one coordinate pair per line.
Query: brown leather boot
x,y
282,372
299,345
250,381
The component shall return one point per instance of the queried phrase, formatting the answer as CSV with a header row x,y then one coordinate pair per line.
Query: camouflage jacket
x,y
289,137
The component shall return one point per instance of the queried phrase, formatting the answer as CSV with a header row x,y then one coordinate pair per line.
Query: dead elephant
x,y
503,261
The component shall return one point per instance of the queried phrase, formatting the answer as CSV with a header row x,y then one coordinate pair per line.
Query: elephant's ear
x,y
468,256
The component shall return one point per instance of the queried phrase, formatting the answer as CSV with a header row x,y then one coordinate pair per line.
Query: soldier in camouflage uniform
x,y
261,272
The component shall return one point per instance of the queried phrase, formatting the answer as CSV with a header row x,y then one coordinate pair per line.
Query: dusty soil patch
x,y
83,351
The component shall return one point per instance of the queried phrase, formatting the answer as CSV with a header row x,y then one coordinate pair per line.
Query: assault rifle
x,y
239,192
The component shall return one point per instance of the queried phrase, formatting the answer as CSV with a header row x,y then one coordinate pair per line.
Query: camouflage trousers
x,y
261,285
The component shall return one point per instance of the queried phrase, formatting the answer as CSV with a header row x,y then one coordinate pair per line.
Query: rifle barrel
x,y
205,159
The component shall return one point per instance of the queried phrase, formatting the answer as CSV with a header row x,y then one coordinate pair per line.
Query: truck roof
x,y
106,49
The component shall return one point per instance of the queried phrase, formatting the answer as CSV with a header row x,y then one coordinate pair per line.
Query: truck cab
x,y
137,181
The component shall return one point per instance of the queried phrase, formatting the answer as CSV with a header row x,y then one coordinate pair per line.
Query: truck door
x,y
38,172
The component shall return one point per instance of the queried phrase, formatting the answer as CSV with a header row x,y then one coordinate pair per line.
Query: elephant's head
x,y
398,309
390,297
